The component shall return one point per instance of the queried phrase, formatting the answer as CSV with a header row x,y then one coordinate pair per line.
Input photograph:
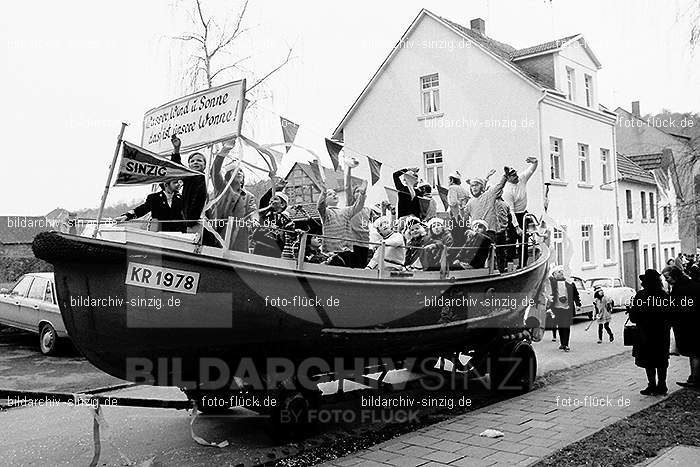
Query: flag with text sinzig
x,y
334,149
289,131
375,168
139,166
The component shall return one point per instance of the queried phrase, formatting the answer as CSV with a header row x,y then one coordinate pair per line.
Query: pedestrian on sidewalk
x,y
564,301
603,312
652,347
686,322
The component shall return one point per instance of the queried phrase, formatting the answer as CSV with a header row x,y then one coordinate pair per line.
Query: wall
x,y
483,107
572,203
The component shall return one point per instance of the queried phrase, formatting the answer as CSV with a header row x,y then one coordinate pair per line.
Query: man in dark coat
x,y
409,197
563,304
686,320
165,208
649,310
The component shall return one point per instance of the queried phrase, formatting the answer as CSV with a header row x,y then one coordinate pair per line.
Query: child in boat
x,y
194,189
476,248
336,223
165,208
313,251
603,312
276,229
438,239
417,238
394,247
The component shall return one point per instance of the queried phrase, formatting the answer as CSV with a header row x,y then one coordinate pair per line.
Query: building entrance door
x,y
630,258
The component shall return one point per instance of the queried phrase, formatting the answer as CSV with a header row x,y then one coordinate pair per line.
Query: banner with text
x,y
202,118
141,167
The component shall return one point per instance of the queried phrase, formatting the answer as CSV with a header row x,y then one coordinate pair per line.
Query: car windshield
x,y
601,282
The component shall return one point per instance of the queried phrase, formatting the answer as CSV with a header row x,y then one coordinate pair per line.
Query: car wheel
x,y
48,340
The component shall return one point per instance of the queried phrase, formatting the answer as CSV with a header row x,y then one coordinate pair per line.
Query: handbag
x,y
630,334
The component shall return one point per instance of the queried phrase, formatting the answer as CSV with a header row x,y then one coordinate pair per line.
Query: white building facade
x,y
450,98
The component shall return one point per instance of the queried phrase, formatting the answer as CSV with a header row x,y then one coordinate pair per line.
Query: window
x,y
643,196
555,159
48,294
583,165
588,79
586,243
605,164
667,215
571,83
558,242
433,168
608,239
673,252
628,199
430,93
653,257
665,254
646,257
37,289
22,286
652,207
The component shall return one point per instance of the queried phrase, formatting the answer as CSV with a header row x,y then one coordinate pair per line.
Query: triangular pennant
x,y
375,168
334,149
139,166
442,191
316,169
289,131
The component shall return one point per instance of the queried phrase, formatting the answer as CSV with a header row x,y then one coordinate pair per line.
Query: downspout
x,y
542,161
658,229
620,262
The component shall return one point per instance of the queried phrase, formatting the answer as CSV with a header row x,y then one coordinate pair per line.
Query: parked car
x,y
586,295
31,305
614,289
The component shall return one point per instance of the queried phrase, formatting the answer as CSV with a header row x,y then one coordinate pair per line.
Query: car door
x,y
31,306
49,310
11,304
586,296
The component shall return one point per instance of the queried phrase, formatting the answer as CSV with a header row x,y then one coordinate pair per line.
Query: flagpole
x,y
109,179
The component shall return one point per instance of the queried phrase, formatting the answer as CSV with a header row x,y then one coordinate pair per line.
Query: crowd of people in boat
x,y
481,218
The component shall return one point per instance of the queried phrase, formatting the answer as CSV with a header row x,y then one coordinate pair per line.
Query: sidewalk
x,y
534,424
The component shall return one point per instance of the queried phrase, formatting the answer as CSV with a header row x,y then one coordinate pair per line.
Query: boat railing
x,y
446,254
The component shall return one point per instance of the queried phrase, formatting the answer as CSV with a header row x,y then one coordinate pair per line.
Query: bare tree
x,y
214,44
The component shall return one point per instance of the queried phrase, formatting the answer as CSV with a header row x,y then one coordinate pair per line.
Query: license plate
x,y
155,277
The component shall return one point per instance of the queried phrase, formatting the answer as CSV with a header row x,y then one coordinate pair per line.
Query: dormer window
x,y
589,90
571,83
430,94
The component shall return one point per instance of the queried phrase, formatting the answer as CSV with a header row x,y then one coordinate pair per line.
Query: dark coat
x,y
157,205
564,316
194,195
406,205
686,322
475,250
430,259
653,324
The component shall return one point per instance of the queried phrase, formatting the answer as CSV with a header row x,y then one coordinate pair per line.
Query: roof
x,y
506,53
629,171
647,161
21,229
550,46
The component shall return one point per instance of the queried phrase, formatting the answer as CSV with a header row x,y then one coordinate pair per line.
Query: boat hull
x,y
241,311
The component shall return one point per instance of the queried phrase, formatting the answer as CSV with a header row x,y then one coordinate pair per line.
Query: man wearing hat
x,y
515,194
483,204
563,304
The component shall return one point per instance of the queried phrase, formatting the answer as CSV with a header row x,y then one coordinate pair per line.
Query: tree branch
x,y
227,67
236,29
277,68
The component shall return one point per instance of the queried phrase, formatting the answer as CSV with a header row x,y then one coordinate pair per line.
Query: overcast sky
x,y
72,71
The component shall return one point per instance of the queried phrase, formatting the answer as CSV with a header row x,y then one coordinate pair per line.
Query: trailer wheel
x,y
514,369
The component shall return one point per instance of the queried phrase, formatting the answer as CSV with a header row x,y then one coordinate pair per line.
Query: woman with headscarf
x,y
565,299
652,348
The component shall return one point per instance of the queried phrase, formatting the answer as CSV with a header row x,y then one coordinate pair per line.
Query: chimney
x,y
635,109
478,25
